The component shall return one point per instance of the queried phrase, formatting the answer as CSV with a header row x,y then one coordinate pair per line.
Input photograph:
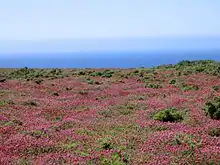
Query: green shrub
x,y
214,132
168,115
173,81
33,74
94,74
106,143
155,86
186,87
212,108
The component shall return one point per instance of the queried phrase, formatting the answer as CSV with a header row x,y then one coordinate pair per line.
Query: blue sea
x,y
103,59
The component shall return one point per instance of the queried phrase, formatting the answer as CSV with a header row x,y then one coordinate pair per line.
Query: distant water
x,y
104,60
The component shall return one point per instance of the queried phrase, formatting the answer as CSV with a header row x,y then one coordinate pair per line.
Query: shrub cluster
x,y
33,74
212,108
168,115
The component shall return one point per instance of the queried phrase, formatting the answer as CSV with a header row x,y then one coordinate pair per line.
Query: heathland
x,y
168,114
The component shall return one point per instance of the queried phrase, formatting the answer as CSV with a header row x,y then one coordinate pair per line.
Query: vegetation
x,y
161,115
212,108
168,115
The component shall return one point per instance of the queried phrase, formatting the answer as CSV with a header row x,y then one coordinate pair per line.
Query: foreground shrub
x,y
212,108
168,115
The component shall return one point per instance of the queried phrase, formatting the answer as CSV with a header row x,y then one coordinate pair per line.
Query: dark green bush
x,y
212,108
55,94
173,81
186,87
155,86
168,115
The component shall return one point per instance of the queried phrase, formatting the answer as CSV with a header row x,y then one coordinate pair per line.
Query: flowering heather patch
x,y
64,119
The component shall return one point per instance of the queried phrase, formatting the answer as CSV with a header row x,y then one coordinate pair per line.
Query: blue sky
x,y
47,20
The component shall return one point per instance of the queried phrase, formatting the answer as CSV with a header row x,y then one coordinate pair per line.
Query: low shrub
x,y
155,86
168,115
187,87
212,108
215,132
106,143
173,81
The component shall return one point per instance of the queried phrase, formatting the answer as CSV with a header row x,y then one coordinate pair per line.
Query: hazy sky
x,y
80,19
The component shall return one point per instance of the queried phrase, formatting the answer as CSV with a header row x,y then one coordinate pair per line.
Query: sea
x,y
104,59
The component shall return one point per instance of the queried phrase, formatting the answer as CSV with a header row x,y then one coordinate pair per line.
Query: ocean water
x,y
104,59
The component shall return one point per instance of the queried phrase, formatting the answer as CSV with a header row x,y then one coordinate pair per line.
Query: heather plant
x,y
168,115
212,108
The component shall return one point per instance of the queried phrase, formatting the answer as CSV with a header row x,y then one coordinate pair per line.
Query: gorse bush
x,y
35,74
155,86
106,73
212,108
168,115
193,67
187,87
173,81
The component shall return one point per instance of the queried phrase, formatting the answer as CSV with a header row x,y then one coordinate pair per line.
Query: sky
x,y
48,20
